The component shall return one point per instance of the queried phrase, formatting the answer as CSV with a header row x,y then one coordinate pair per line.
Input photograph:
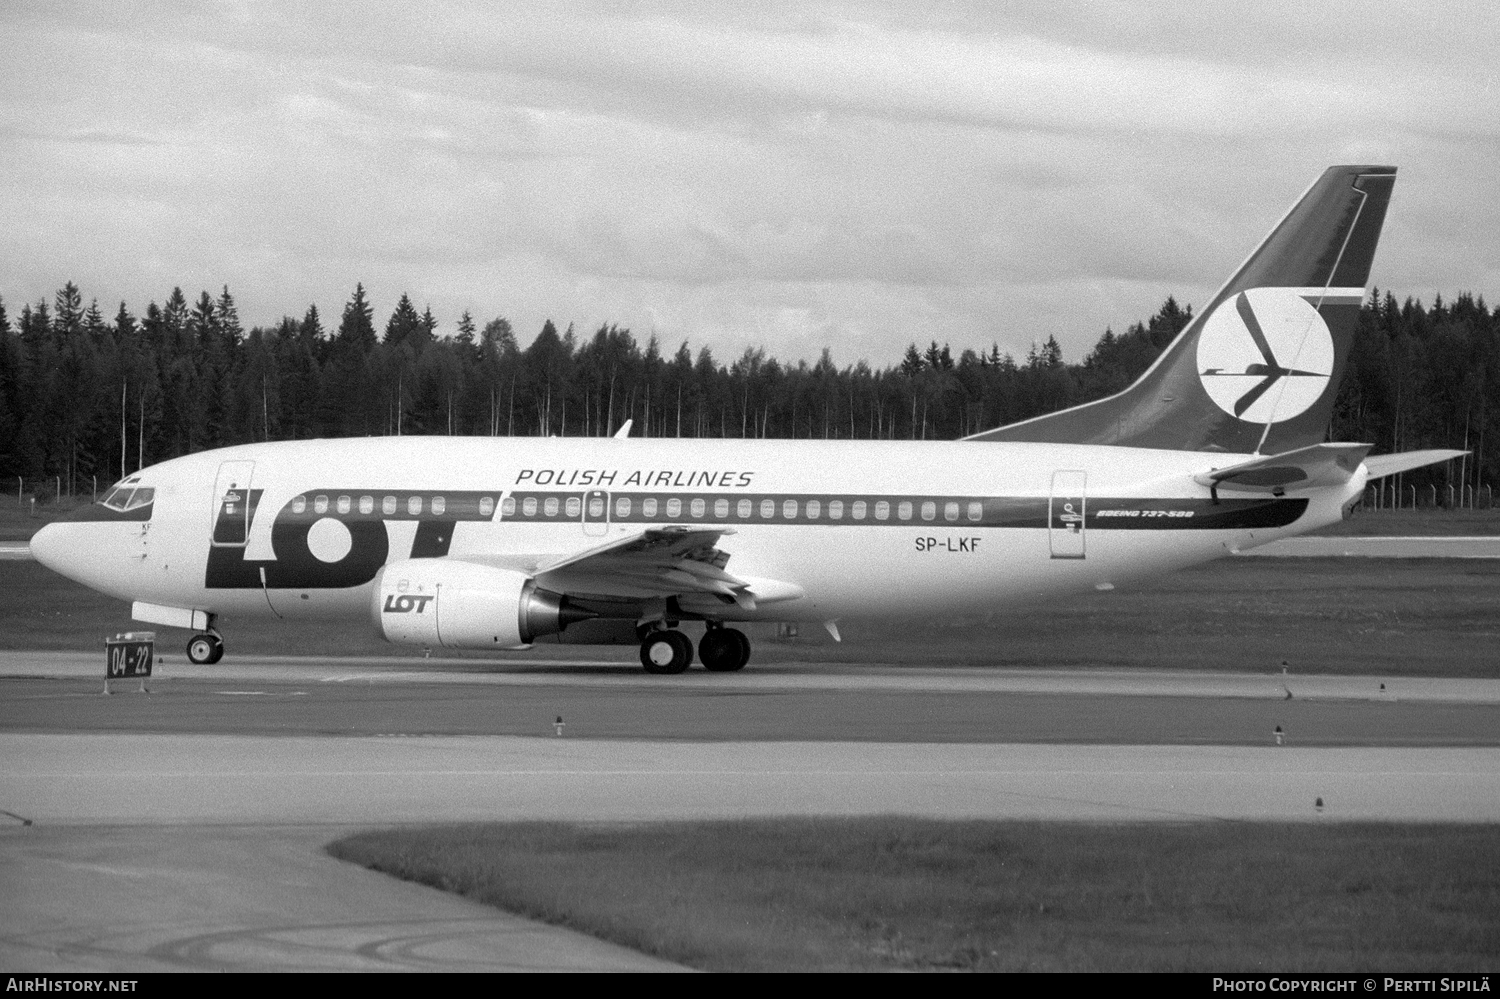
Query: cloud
x,y
793,175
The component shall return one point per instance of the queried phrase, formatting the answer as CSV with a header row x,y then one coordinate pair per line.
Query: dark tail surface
x,y
1258,370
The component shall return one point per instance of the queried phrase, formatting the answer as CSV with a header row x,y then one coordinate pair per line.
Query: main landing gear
x,y
205,649
723,650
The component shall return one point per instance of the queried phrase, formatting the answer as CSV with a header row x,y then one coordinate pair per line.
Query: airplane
x,y
496,543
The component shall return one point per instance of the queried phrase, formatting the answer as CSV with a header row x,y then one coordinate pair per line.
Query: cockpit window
x,y
126,497
116,498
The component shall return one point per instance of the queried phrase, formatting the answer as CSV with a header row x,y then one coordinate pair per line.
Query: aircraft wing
x,y
1304,468
674,561
1382,465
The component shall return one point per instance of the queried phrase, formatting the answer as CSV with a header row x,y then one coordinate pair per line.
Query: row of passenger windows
x,y
744,509
651,507
389,505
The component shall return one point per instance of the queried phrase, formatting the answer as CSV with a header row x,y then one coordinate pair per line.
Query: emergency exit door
x,y
596,512
231,524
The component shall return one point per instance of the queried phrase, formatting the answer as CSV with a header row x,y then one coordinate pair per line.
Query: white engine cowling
x,y
460,605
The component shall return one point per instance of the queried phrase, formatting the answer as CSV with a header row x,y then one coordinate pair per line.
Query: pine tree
x,y
229,319
404,325
912,363
357,326
311,327
67,319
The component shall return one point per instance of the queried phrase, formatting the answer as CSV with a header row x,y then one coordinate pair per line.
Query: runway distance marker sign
x,y
129,654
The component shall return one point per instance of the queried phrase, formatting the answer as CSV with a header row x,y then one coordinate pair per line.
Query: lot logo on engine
x,y
406,604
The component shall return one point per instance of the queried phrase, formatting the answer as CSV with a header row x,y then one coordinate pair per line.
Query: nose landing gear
x,y
205,650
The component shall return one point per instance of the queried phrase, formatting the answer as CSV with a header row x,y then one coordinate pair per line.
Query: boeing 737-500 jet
x,y
494,543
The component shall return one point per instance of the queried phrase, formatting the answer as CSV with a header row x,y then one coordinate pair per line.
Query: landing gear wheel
x,y
666,652
205,650
724,650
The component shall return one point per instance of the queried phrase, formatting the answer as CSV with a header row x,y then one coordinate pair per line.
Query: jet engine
x,y
461,605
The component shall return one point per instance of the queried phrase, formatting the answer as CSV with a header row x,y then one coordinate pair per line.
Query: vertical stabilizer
x,y
1258,370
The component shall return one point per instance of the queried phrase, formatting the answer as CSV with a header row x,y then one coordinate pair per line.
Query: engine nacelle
x,y
460,605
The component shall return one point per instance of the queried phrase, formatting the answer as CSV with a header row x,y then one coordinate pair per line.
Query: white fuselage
x,y
855,527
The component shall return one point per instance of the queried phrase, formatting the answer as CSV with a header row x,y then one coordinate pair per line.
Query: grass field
x,y
909,894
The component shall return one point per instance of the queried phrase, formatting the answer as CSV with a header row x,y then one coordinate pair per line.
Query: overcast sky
x,y
855,175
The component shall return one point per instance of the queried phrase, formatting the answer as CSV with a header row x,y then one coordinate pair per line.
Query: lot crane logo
x,y
1265,354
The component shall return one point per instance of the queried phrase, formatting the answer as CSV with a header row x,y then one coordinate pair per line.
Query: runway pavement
x,y
260,897
784,676
198,811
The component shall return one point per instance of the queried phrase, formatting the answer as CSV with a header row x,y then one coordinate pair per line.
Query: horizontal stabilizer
x,y
1392,464
1305,468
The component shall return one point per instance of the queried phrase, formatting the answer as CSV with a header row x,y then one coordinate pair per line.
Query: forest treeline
x,y
76,385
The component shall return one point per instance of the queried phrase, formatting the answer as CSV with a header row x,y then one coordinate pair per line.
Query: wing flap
x,y
674,561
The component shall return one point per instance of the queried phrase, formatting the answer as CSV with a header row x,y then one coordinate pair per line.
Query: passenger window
x,y
813,509
976,510
344,505
789,509
699,507
439,505
858,510
596,506
904,510
299,505
950,511
721,508
529,506
414,505
674,507
388,505
550,506
648,507
742,509
508,507
882,510
768,508
367,505
486,505
929,510
320,505
835,509
622,506
575,506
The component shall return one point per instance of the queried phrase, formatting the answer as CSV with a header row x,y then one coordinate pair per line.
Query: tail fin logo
x,y
1265,355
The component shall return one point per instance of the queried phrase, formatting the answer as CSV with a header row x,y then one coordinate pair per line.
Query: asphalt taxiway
x,y
200,807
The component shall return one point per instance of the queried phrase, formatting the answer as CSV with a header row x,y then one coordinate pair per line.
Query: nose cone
x,y
59,548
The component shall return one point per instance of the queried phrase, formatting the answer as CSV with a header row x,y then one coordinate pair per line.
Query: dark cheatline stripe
x,y
899,510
